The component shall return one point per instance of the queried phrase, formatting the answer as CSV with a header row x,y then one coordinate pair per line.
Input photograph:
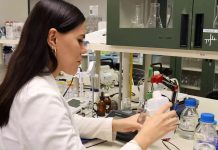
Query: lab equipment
x,y
142,110
154,20
126,105
2,32
142,114
172,85
137,20
81,75
108,76
169,14
92,19
153,104
7,53
100,108
121,136
157,100
114,105
9,30
206,135
107,101
188,119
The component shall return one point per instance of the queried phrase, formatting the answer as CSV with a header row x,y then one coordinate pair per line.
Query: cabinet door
x,y
124,28
208,75
204,37
191,76
168,64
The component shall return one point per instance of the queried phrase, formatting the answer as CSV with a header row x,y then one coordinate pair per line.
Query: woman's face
x,y
69,49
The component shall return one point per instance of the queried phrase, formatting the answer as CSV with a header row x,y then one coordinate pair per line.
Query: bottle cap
x,y
207,118
102,96
191,102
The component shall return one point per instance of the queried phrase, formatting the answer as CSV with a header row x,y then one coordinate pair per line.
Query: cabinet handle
x,y
199,25
184,30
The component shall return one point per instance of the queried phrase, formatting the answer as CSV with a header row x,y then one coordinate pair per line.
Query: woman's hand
x,y
126,124
157,126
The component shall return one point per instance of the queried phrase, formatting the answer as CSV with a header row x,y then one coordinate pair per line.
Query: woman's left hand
x,y
126,124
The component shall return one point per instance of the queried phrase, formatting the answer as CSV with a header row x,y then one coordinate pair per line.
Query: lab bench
x,y
205,105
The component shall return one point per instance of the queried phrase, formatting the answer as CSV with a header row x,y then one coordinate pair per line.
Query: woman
x,y
33,113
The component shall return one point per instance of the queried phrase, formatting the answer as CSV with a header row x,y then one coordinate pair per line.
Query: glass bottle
x,y
101,106
188,119
142,109
205,135
126,105
154,20
142,112
137,20
107,101
215,22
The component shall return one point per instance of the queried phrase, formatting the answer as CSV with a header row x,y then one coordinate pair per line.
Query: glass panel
x,y
194,64
137,59
146,14
191,76
216,75
216,82
165,60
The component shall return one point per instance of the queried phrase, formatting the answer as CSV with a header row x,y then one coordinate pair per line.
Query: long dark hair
x,y
33,54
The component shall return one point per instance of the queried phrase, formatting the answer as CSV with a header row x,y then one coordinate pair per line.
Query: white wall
x,y
83,5
13,10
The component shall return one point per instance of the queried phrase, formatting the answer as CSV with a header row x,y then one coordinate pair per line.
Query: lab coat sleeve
x,y
131,145
95,127
46,123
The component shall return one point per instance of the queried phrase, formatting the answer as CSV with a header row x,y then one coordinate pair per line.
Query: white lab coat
x,y
41,120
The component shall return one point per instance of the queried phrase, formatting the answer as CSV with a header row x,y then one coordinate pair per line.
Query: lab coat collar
x,y
52,81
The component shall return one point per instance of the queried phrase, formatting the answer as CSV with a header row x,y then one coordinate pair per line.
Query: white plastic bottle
x,y
156,102
188,119
205,135
153,105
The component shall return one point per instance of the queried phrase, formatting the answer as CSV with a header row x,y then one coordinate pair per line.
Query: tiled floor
x,y
2,72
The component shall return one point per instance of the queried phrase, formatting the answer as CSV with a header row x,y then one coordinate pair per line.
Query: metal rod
x,y
120,81
147,61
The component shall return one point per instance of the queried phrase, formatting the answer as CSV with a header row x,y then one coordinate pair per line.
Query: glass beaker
x,y
137,20
215,22
154,20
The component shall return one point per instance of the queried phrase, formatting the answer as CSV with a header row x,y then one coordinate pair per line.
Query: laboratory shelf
x,y
192,69
156,51
190,87
166,66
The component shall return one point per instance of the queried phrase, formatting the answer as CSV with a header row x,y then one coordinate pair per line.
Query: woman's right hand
x,y
157,126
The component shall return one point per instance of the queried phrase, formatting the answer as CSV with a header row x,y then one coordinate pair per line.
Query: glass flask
x,y
215,22
154,20
169,16
137,20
